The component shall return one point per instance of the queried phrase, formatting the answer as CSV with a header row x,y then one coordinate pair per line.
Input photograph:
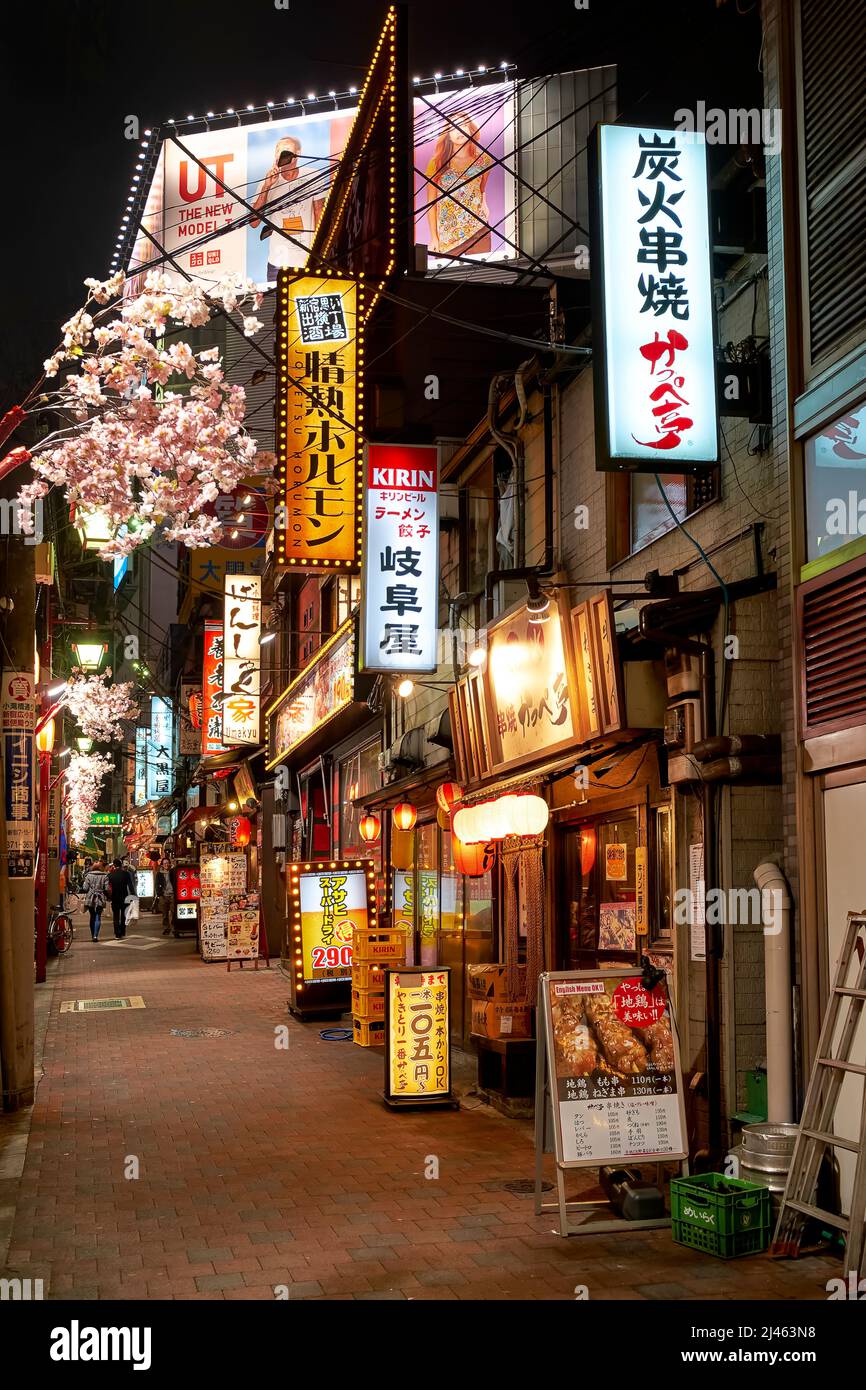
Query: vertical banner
x,y
418,1050
18,721
212,690
641,893
190,720
242,629
654,363
401,558
319,422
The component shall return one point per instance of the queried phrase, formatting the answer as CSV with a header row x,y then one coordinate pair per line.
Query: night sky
x,y
80,67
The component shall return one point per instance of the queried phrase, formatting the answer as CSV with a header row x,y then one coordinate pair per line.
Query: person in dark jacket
x,y
121,885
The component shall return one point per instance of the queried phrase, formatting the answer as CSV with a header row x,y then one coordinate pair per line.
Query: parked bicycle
x,y
60,932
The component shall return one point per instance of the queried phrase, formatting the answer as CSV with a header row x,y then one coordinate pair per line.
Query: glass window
x,y
650,517
427,889
359,775
597,923
836,484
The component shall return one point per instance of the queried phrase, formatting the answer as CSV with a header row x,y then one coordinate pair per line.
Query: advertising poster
x,y
223,877
333,904
617,929
404,909
401,558
243,928
614,1065
326,688
418,1032
459,186
18,719
616,863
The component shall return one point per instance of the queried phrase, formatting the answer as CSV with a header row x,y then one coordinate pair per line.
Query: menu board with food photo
x,y
614,1066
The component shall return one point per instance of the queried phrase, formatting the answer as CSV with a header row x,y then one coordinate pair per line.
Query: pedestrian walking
x,y
121,885
165,894
94,889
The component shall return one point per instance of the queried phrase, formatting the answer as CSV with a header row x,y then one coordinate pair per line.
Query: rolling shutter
x,y
834,655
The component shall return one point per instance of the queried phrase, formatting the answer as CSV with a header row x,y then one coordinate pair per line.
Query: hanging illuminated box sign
x,y
653,315
400,601
418,1036
212,690
320,356
242,628
328,903
159,749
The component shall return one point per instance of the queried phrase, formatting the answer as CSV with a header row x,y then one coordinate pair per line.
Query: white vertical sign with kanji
x,y
242,629
656,373
401,558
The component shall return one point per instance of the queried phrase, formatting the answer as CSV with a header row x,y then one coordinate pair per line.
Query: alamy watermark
x,y
26,521
731,907
736,126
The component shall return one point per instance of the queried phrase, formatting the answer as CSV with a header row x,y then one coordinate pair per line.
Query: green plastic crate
x,y
721,1216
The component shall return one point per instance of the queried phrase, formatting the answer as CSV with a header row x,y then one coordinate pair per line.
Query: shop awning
x,y
197,813
223,763
423,780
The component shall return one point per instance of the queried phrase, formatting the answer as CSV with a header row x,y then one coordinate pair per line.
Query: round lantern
x,y
443,818
529,814
472,860
447,795
370,828
242,830
463,825
587,850
405,816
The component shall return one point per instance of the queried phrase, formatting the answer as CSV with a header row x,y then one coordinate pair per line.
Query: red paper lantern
x,y
587,850
241,831
370,828
447,795
405,816
472,860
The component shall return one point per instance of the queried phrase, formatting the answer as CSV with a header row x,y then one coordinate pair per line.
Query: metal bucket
x,y
765,1156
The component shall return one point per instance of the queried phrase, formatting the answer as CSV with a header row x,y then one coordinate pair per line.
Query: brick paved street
x,y
262,1167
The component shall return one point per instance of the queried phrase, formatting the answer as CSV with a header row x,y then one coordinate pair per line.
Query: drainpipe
x,y
778,988
546,567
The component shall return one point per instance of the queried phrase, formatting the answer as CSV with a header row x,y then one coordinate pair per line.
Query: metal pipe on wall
x,y
779,992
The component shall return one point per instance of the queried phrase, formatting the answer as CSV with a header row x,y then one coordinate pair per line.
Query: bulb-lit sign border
x,y
296,945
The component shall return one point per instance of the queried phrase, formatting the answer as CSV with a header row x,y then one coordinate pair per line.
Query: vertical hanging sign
x,y
654,348
401,558
319,422
18,716
242,629
212,690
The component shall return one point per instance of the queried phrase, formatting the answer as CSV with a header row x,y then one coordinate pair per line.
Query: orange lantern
x,y
402,849
370,828
405,816
587,850
447,795
241,832
443,819
472,860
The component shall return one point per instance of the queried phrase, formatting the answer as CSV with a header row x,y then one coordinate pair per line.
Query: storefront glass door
x,y
597,906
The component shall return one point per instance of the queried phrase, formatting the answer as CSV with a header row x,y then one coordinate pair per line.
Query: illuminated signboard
x,y
186,912
328,903
242,628
212,690
159,749
401,558
654,354
319,423
418,1030
322,691
530,687
106,818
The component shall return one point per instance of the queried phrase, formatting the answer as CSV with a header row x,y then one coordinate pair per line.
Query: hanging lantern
x,y
587,850
402,849
463,825
241,831
369,828
443,818
447,795
528,814
472,860
405,816
45,737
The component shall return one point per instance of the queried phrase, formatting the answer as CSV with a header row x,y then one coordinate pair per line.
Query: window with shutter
x,y
832,621
833,45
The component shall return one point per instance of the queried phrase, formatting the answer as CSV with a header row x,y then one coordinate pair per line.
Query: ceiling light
x,y
405,688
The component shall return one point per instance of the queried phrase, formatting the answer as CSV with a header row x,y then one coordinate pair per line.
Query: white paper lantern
x,y
530,815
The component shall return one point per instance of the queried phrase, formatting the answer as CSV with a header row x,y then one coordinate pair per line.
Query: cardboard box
x,y
488,981
501,1019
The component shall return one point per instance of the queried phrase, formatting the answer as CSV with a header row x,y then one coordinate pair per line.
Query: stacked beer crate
x,y
373,950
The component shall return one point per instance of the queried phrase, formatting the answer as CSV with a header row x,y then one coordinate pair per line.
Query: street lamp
x,y
89,653
95,528
84,744
44,745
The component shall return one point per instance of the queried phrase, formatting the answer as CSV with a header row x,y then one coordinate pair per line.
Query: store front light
x,y
89,654
405,688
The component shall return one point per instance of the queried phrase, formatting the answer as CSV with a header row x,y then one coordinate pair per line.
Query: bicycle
x,y
73,900
60,931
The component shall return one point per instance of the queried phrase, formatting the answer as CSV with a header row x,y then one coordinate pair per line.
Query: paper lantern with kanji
x,y
241,831
447,795
472,860
405,816
369,828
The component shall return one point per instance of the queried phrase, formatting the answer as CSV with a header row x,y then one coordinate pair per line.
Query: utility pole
x,y
18,593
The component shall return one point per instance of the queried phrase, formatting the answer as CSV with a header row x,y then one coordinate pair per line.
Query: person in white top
x,y
291,202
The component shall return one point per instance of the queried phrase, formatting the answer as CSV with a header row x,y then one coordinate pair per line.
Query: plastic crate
x,y
721,1216
369,1034
367,1003
368,975
371,944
